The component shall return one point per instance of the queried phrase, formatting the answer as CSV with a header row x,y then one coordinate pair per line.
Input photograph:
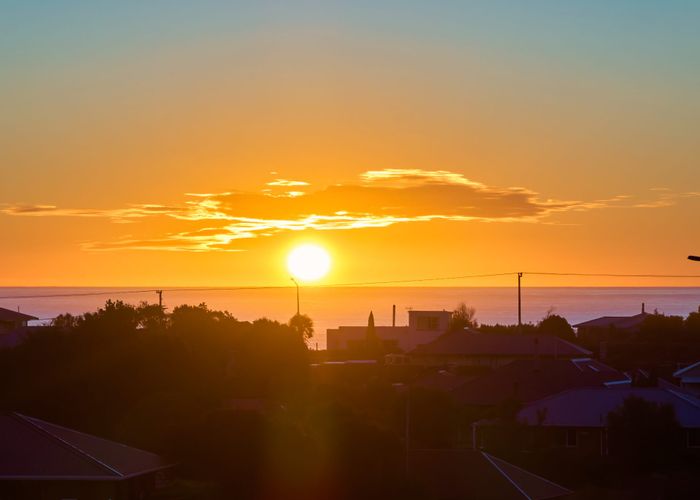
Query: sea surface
x,y
334,306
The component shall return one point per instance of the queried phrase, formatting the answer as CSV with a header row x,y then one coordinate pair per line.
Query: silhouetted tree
x,y
553,324
527,328
463,317
373,344
645,434
151,317
303,325
116,317
65,321
661,328
692,325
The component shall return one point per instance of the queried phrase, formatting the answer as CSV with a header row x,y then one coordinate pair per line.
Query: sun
x,y
309,262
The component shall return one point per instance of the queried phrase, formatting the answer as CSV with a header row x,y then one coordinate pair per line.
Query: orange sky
x,y
140,149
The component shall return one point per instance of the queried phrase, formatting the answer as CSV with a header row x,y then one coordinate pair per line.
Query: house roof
x,y
689,372
529,380
14,316
475,474
471,343
442,380
38,450
589,407
619,322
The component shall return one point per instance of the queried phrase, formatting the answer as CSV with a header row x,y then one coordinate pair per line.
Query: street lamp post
x,y
520,310
297,285
693,257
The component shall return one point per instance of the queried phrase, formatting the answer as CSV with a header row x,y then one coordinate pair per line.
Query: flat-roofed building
x,y
423,327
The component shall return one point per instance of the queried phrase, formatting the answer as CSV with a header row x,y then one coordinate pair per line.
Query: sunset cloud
x,y
382,198
287,183
397,177
117,215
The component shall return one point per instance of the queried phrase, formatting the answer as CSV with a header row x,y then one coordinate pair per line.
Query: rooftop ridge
x,y
33,423
526,471
686,369
510,479
571,344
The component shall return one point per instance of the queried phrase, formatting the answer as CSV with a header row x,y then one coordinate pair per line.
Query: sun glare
x,y
309,262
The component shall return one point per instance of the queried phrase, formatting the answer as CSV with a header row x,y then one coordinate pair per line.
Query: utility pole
x,y
160,308
520,310
407,430
297,285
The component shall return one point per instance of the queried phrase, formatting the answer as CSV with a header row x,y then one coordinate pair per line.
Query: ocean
x,y
334,306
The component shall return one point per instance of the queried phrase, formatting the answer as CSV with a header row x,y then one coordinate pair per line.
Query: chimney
x,y
642,307
393,315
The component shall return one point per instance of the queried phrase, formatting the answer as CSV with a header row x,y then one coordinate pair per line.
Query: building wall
x,y
423,327
8,326
429,320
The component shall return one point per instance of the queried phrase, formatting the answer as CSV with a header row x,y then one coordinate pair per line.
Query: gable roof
x,y
530,485
471,343
14,316
589,407
34,449
619,322
529,380
474,474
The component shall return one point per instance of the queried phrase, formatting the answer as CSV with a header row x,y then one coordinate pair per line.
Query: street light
x,y
693,257
297,285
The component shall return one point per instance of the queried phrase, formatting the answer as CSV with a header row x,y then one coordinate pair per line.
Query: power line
x,y
418,280
350,284
145,290
75,294
237,288
613,275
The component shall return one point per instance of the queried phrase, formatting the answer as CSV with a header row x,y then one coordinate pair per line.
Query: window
x,y
427,323
571,438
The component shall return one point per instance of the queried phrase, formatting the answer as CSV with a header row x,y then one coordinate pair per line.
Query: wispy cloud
x,y
381,198
116,215
287,183
401,177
